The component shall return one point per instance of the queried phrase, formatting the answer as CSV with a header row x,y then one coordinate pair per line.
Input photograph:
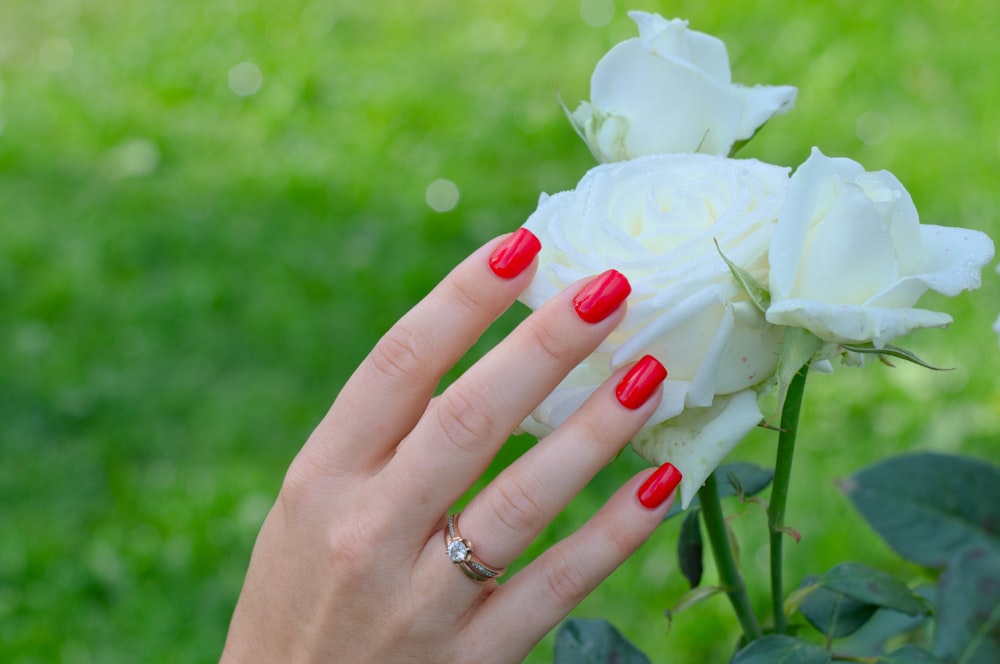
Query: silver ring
x,y
461,553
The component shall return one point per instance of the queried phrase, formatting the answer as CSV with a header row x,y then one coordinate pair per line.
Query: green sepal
x,y
738,144
691,598
891,351
758,294
797,350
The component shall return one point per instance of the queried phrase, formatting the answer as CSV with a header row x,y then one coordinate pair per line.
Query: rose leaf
x,y
594,642
926,506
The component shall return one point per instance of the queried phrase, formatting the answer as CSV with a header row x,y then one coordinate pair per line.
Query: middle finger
x,y
464,427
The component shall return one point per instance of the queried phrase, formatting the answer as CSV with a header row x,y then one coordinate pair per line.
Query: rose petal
x,y
669,108
697,440
853,323
673,41
760,104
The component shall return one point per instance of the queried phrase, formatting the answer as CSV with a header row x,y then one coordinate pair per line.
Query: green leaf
x,y
968,617
738,476
781,649
758,294
927,506
691,549
834,614
594,642
888,629
910,654
891,351
864,584
847,596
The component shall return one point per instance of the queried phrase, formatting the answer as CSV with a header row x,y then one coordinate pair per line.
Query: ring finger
x,y
512,510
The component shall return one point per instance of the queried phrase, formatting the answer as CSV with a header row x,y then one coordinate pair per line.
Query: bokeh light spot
x,y
872,127
442,195
134,158
56,54
245,79
597,13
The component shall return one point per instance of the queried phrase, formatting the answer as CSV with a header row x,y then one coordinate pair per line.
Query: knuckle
x,y
549,346
347,555
514,506
401,352
461,294
566,581
619,538
297,486
596,433
465,418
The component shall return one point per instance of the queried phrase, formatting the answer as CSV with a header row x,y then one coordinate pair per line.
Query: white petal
x,y
953,258
951,261
853,323
811,192
697,440
669,107
760,104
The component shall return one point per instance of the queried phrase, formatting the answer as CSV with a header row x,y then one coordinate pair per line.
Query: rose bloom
x,y
671,90
849,257
655,219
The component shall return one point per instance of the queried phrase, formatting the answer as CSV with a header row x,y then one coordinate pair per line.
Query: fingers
x,y
387,394
507,515
532,602
464,427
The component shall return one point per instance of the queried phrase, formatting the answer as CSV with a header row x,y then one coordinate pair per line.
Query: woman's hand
x,y
351,564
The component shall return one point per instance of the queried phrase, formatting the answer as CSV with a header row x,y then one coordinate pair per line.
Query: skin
x,y
350,563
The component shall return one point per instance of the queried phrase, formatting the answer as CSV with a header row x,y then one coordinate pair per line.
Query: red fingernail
x,y
515,254
602,296
659,486
640,382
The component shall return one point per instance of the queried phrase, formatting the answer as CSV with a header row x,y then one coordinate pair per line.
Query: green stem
x,y
725,561
779,492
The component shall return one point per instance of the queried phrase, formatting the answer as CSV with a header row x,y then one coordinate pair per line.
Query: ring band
x,y
460,552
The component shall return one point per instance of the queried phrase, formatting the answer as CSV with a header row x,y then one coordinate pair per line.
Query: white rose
x,y
671,90
849,257
655,219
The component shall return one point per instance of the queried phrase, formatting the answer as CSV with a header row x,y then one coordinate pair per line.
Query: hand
x,y
351,562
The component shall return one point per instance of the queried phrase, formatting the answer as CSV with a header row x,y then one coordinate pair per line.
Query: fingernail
x,y
659,486
515,254
640,382
602,296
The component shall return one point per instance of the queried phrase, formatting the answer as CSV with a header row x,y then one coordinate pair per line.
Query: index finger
x,y
387,394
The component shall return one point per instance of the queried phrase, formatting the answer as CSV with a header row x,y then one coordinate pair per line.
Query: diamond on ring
x,y
459,552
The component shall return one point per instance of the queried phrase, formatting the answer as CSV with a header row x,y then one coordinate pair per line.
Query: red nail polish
x,y
515,254
602,296
659,486
640,382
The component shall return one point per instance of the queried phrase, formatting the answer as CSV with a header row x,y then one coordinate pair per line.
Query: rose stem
x,y
722,551
779,491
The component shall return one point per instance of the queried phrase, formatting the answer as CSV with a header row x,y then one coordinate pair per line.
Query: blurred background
x,y
210,210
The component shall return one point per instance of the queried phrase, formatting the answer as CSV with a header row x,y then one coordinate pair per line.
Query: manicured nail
x,y
659,486
515,254
640,382
602,296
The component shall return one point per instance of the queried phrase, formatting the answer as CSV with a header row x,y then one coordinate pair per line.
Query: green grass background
x,y
187,275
